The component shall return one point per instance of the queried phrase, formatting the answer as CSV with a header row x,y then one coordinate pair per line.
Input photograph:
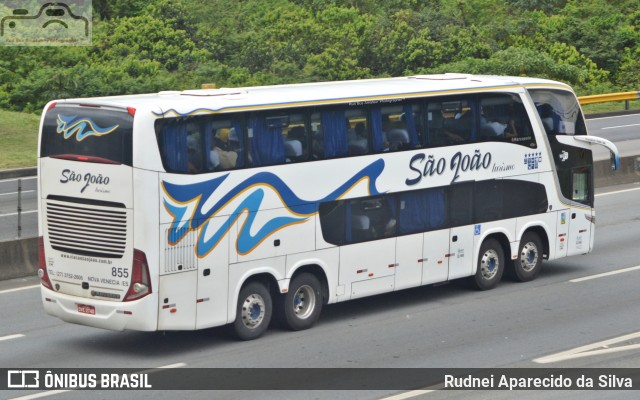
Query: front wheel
x,y
529,262
490,265
253,313
300,307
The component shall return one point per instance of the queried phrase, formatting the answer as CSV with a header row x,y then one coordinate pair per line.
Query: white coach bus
x,y
193,209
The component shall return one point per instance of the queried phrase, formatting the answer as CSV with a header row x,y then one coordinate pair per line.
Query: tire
x,y
529,262
254,311
490,265
300,307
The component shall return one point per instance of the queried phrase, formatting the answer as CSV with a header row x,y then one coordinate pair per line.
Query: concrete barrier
x,y
18,173
629,172
18,258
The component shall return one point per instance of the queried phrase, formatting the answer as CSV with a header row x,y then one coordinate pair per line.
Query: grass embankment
x,y
609,107
18,139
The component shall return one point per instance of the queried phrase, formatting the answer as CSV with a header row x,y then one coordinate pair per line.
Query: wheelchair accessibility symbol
x,y
47,24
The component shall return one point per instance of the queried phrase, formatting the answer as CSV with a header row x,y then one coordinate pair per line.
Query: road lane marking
x,y
176,365
24,191
614,116
41,394
593,349
408,395
616,272
18,289
24,212
619,126
616,192
26,178
9,337
60,391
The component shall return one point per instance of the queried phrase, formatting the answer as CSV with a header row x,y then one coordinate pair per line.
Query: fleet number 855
x,y
119,272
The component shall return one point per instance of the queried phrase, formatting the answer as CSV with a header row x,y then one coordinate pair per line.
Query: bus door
x,y
461,236
574,168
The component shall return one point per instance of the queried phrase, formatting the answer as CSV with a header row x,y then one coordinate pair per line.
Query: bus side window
x,y
357,132
172,137
451,122
194,149
329,134
266,140
503,118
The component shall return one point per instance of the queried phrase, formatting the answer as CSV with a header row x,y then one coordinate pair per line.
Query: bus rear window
x,y
87,133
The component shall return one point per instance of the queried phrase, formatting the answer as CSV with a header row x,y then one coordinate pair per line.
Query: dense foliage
x,y
150,45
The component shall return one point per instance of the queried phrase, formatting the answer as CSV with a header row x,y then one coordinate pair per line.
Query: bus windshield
x,y
94,134
559,111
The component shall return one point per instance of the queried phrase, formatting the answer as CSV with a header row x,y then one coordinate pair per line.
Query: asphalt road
x,y
622,130
515,325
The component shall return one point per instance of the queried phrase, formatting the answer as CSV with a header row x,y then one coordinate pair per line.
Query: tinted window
x,y
88,131
396,214
211,143
503,118
200,144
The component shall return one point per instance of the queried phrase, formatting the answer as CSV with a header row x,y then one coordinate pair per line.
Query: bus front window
x,y
559,111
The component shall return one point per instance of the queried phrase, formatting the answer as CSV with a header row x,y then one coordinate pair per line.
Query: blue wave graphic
x,y
82,127
180,198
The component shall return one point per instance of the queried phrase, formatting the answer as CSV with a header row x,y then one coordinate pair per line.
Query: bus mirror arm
x,y
615,155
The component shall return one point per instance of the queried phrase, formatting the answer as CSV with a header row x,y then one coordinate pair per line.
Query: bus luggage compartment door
x,y
177,301
369,267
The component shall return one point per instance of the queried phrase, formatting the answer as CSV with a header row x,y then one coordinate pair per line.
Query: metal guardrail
x,y
603,98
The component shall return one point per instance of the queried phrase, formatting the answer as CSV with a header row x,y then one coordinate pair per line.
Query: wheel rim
x,y
489,264
529,256
304,302
253,310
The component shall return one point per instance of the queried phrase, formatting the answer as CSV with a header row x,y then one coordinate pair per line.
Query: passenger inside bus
x,y
223,155
497,121
295,144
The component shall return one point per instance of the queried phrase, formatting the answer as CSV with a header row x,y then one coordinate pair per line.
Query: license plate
x,y
82,308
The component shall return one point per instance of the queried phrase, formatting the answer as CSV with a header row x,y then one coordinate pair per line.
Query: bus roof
x,y
213,101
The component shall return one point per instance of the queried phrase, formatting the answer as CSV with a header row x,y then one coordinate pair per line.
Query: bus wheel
x,y
529,262
300,307
254,311
490,265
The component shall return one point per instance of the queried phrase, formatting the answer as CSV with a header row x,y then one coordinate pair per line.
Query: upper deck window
x,y
264,138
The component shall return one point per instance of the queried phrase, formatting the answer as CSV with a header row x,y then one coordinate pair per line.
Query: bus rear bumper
x,y
138,315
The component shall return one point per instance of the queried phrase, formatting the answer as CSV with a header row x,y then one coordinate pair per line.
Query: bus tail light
x,y
140,281
42,264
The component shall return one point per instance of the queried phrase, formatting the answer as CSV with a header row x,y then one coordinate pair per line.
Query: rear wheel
x,y
253,313
529,262
300,307
490,265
